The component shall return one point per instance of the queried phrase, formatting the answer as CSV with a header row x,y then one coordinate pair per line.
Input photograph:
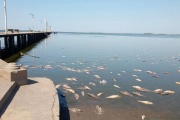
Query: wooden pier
x,y
12,43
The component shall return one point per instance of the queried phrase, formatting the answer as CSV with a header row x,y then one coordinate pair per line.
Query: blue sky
x,y
120,16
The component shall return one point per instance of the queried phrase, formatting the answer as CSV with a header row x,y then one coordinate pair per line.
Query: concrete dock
x,y
35,99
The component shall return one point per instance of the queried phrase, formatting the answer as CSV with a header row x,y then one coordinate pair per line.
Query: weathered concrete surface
x,y
2,64
36,101
6,88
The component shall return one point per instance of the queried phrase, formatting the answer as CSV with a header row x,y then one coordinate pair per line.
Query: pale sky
x,y
119,16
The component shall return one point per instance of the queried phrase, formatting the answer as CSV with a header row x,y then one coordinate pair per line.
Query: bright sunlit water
x,y
120,55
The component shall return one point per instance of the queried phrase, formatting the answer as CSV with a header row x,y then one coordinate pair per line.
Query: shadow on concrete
x,y
31,82
8,101
64,111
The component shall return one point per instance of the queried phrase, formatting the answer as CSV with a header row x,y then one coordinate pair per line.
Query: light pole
x,y
32,20
5,16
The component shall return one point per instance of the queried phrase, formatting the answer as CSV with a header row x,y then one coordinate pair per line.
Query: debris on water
x,y
138,94
76,110
116,86
146,102
99,110
103,82
143,117
125,93
99,94
113,96
91,95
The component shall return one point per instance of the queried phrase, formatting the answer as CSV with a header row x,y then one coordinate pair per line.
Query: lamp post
x,y
5,16
32,20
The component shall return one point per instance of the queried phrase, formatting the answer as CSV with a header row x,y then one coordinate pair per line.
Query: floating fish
x,y
134,75
178,83
178,70
99,94
116,86
150,72
165,72
143,117
146,102
113,96
139,80
118,74
138,94
125,93
75,110
76,96
58,86
97,76
87,88
91,95
71,79
99,110
101,68
70,90
167,92
158,91
141,89
92,83
137,70
114,80
66,86
82,93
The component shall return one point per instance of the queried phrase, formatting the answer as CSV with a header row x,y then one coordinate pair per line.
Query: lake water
x,y
124,59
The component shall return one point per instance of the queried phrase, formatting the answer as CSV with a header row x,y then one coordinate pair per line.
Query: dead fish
x,y
134,75
113,96
70,90
71,79
155,76
143,117
137,70
87,88
138,94
82,93
58,86
114,80
158,91
97,76
118,74
92,83
75,110
99,94
167,92
178,70
99,110
103,82
136,87
125,93
116,86
76,96
91,95
66,86
178,83
101,68
165,72
141,89
146,102
139,80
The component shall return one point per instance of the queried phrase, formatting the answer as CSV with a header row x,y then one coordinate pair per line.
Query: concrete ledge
x,y
38,100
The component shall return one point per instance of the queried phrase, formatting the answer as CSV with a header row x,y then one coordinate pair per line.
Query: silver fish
x,y
145,102
91,95
66,86
116,86
167,92
113,96
99,94
158,91
125,93
138,94
178,83
70,90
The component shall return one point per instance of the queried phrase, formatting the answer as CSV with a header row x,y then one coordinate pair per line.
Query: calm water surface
x,y
120,55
